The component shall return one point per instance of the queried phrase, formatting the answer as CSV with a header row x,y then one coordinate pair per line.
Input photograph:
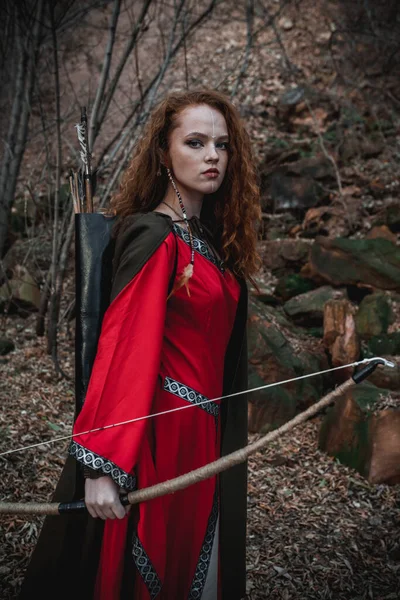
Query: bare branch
x,y
94,123
250,23
151,89
113,84
53,316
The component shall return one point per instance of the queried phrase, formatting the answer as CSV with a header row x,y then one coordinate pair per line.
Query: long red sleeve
x,y
125,371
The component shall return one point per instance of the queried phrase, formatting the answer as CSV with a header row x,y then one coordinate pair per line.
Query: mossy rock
x,y
6,346
361,436
369,262
276,353
20,293
373,316
366,395
385,344
308,309
273,407
292,285
393,217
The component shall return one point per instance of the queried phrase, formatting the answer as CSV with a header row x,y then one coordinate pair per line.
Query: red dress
x,y
154,356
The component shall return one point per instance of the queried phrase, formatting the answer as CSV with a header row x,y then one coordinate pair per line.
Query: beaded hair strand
x,y
187,272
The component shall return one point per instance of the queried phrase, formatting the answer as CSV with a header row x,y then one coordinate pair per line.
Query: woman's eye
x,y
194,143
198,144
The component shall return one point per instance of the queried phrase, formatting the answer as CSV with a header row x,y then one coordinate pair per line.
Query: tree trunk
x,y
54,302
20,115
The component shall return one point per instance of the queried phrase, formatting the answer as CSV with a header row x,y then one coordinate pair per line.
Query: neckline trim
x,y
199,246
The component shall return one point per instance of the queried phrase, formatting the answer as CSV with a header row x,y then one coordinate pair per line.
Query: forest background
x,y
317,85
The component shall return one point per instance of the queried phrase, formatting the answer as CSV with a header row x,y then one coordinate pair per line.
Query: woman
x,y
173,337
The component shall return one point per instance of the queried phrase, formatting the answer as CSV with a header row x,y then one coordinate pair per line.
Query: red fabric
x,y
144,340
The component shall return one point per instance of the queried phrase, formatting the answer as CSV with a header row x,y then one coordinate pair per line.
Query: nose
x,y
212,153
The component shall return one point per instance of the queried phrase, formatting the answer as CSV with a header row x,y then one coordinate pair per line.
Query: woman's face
x,y
198,150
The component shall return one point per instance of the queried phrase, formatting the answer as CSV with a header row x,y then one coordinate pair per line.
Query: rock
x,y
317,332
340,337
293,193
344,430
273,224
289,101
381,231
318,167
274,233
393,217
370,263
308,309
387,378
384,466
293,96
284,256
327,221
363,437
21,292
277,352
385,344
22,248
333,221
294,184
373,316
292,285
6,346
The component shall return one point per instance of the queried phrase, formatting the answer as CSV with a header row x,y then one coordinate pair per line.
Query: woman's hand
x,y
102,499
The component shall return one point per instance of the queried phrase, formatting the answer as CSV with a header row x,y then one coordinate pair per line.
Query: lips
x,y
212,171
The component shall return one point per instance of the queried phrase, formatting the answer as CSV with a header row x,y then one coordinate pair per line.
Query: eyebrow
x,y
203,135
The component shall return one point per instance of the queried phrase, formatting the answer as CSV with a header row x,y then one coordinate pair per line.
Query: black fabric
x,y
64,562
233,482
94,249
97,255
151,229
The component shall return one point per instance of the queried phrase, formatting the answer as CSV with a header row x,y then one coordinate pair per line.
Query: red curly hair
x,y
233,212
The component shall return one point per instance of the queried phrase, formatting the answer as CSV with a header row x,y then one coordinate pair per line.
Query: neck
x,y
192,201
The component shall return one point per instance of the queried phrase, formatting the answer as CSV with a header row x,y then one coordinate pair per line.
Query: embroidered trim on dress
x,y
200,575
199,246
145,568
98,463
190,395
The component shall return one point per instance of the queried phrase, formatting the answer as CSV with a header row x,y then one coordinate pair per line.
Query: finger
x,y
91,511
100,512
119,510
108,512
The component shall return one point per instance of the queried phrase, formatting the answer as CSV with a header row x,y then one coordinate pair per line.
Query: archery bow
x,y
211,469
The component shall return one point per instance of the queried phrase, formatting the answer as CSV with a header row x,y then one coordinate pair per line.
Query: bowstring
x,y
172,410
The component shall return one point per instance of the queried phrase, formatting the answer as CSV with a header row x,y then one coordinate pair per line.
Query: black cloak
x,y
64,561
